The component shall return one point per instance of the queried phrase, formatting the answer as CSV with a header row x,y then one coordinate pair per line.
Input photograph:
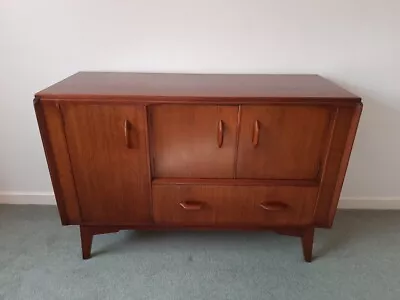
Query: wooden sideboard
x,y
155,151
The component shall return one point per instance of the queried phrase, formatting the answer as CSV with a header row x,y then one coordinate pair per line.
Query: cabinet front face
x,y
193,141
108,152
282,142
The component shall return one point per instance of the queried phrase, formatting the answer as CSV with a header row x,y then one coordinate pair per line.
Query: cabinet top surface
x,y
153,86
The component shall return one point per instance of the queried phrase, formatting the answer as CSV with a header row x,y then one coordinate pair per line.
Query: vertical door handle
x,y
220,135
127,127
256,133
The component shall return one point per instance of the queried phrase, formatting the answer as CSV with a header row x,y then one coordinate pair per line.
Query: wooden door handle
x,y
220,135
191,205
274,206
256,133
127,127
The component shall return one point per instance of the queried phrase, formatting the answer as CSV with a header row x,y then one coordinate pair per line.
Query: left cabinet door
x,y
108,152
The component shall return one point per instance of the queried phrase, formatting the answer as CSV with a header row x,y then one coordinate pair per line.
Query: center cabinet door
x,y
282,141
108,152
193,141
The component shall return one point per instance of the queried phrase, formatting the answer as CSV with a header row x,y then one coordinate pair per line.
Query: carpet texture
x,y
40,259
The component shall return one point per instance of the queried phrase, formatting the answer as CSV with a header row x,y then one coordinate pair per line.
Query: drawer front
x,y
233,205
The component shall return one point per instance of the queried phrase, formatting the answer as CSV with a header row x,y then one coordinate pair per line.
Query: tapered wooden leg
x,y
87,233
86,241
307,240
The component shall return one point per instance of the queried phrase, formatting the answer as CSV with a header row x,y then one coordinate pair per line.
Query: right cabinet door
x,y
282,141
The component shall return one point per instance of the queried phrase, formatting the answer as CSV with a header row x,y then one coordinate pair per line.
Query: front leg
x,y
86,241
307,240
87,233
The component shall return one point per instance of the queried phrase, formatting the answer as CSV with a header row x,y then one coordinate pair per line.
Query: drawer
x,y
233,205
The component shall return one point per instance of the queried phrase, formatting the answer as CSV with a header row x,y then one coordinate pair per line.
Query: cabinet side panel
x,y
52,132
335,169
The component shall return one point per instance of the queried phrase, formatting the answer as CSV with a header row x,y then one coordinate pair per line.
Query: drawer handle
x,y
127,127
274,206
256,133
191,205
220,135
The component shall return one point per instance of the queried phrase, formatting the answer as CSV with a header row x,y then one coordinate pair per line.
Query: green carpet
x,y
39,259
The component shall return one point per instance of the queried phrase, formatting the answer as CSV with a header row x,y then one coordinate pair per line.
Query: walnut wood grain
x,y
307,238
153,87
56,135
256,133
111,179
49,146
281,142
234,205
87,233
307,241
190,140
334,170
220,133
345,161
234,182
170,151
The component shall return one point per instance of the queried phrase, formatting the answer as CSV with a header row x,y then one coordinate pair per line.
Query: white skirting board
x,y
47,198
38,198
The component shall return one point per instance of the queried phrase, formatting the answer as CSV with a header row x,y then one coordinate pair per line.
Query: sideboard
x,y
166,151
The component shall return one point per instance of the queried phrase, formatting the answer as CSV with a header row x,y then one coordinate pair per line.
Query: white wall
x,y
355,43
